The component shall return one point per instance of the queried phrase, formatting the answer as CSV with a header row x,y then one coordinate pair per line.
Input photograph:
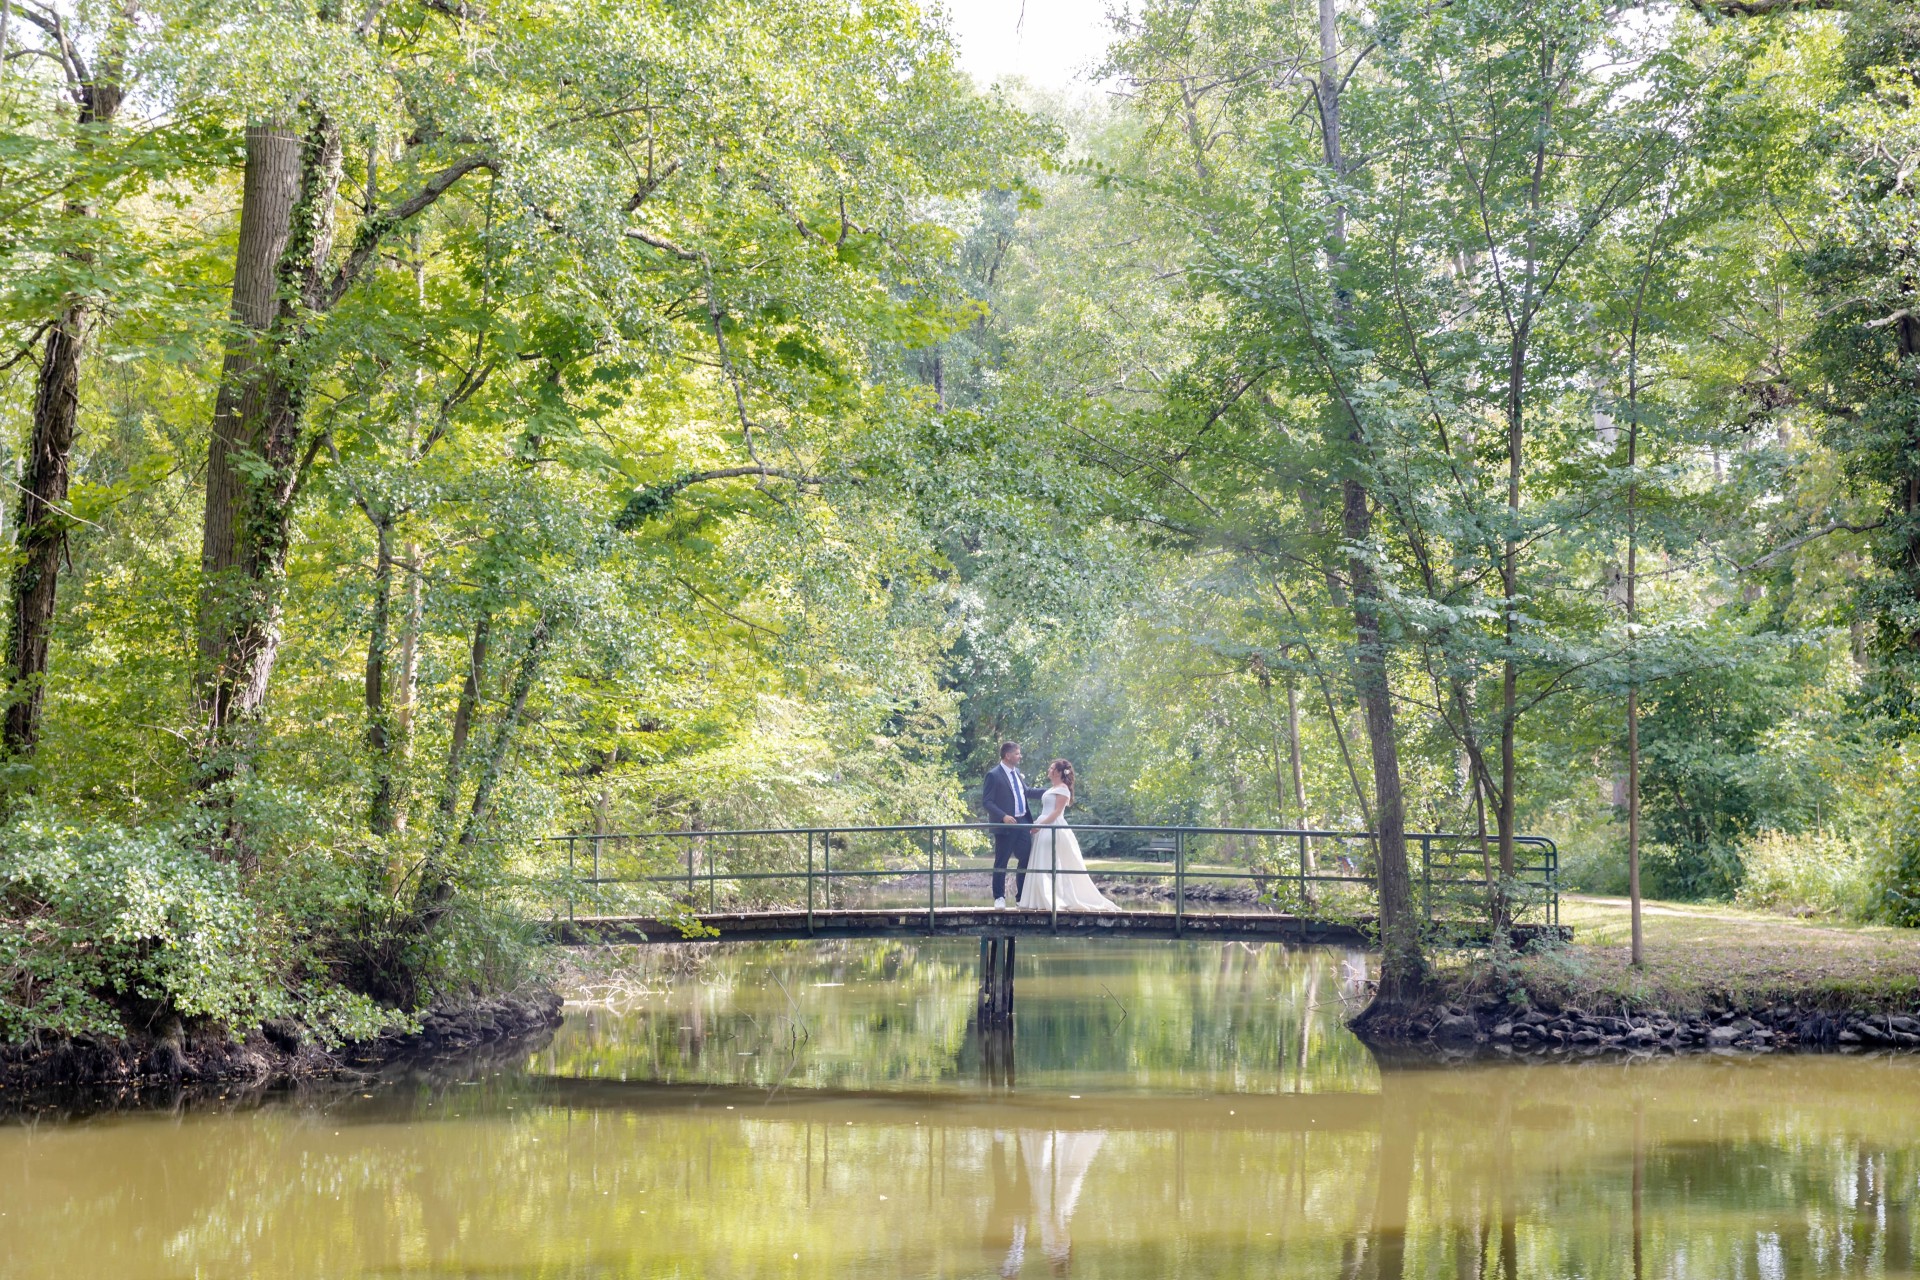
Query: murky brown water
x,y
1174,1111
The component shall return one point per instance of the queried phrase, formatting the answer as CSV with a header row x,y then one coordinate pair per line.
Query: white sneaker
x,y
1000,903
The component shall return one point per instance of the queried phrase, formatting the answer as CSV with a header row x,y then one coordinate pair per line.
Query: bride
x,y
1054,864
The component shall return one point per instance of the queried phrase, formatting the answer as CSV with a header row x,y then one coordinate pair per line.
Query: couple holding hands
x,y
1045,852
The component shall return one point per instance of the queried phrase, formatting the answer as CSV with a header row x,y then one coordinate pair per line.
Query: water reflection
x,y
1037,1175
1201,1017
1213,1134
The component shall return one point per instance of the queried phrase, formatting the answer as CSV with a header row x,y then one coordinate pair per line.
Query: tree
x,y
88,166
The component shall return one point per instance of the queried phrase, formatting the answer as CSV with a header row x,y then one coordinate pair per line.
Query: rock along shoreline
x,y
276,1053
1500,1028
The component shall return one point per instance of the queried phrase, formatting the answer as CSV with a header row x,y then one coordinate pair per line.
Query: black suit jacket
x,y
996,795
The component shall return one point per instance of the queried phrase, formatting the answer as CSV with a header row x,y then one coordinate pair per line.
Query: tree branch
x,y
1794,544
366,241
1758,8
650,502
74,67
663,245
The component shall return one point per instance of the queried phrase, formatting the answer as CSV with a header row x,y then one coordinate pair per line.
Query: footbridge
x,y
1267,884
1251,884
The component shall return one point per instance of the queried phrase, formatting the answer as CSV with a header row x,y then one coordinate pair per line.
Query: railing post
x,y
570,843
710,906
1426,875
809,884
1053,874
929,882
946,876
597,838
1552,860
826,862
1303,871
1179,884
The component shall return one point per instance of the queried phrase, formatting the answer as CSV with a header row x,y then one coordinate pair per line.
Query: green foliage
x,y
1811,872
1708,784
109,928
608,509
726,415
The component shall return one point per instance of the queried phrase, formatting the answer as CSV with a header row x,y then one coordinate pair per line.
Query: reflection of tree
x,y
1207,1016
1383,1253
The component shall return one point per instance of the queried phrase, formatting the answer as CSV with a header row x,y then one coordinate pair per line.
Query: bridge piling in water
x,y
996,981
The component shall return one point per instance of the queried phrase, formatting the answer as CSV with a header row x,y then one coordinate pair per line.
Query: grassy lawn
x,y
1698,954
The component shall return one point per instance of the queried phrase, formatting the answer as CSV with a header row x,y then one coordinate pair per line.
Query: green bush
x,y
104,929
1593,855
1810,871
1896,877
1690,872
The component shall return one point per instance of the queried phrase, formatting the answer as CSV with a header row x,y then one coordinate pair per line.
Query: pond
x,y
825,1110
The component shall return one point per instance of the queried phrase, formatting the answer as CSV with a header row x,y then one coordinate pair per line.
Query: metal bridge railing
x,y
1322,874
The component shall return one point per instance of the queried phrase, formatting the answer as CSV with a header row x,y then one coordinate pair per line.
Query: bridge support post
x,y
996,982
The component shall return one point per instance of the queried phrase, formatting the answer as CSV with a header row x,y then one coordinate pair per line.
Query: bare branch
x,y
1794,544
33,339
366,241
651,185
662,244
652,501
1758,8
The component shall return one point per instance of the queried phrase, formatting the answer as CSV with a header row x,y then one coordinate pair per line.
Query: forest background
x,y
434,425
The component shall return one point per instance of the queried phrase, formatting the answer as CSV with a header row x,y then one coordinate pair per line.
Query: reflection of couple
x,y
1037,1176
1046,852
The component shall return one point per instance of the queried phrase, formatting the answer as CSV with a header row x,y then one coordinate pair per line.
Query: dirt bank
x,y
275,1053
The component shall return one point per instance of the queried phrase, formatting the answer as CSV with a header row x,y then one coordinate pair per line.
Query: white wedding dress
x,y
1055,865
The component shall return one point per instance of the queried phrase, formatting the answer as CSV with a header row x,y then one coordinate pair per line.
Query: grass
x,y
1699,956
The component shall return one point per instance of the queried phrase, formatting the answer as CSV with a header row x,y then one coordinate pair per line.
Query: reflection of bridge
x,y
1249,883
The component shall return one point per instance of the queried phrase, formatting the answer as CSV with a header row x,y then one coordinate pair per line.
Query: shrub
x,y
103,928
1690,872
1809,871
1896,875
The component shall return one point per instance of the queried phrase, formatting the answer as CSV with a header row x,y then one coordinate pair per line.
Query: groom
x,y
1005,797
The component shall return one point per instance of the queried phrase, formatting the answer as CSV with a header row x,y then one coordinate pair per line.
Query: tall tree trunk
x,y
1636,952
41,519
1293,750
1518,352
380,730
464,712
253,459
1509,666
1273,732
407,691
436,883
1402,963
41,523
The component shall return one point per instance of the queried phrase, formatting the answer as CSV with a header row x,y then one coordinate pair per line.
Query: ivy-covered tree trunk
x,y
42,523
41,518
253,460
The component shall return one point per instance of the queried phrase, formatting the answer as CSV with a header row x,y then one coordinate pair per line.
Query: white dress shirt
x,y
1019,791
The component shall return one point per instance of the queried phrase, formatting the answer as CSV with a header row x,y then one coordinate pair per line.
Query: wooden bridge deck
x,y
988,922
909,922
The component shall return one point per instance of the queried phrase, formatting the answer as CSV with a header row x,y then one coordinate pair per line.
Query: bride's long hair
x,y
1065,768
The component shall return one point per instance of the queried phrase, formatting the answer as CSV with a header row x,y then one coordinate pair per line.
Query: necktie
x,y
1019,793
